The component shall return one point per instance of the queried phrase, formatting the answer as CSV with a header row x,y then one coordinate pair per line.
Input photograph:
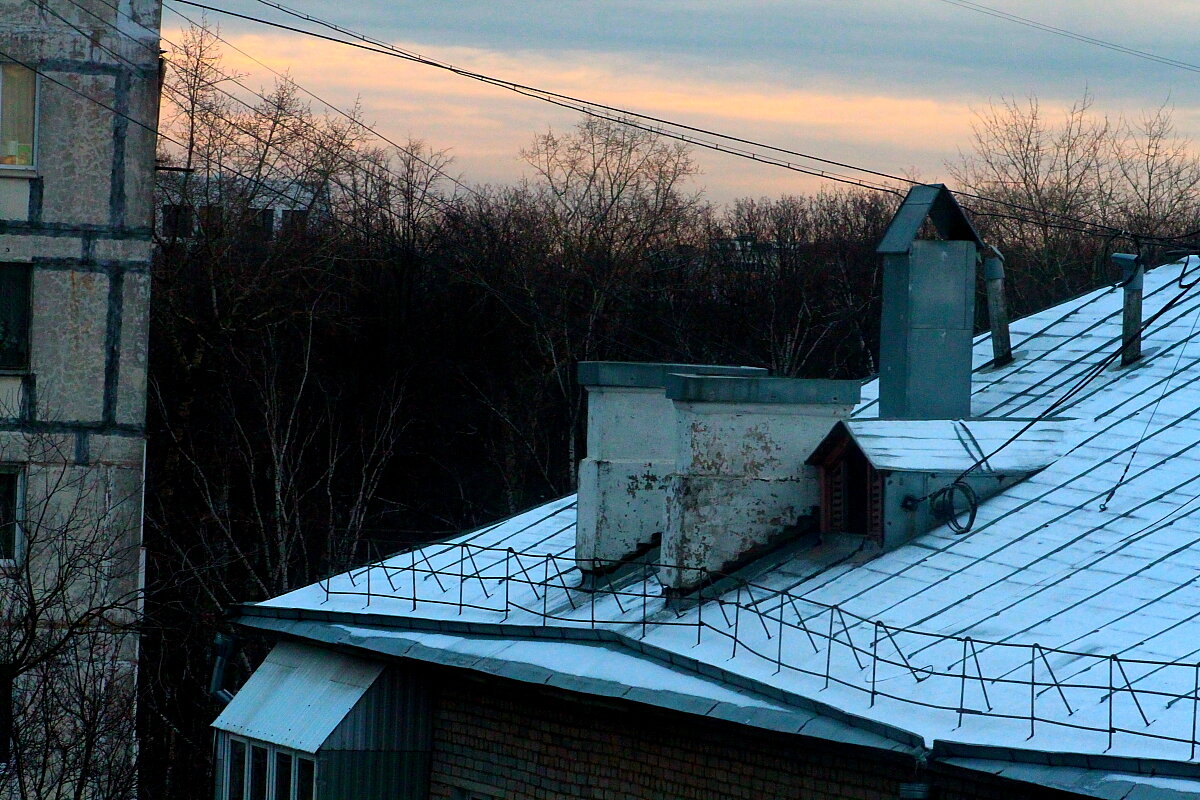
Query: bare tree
x,y
70,601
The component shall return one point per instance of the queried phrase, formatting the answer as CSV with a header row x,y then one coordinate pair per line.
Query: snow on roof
x,y
1067,619
298,696
957,445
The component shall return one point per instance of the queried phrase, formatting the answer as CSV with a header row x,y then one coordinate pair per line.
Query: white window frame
x,y
224,743
37,102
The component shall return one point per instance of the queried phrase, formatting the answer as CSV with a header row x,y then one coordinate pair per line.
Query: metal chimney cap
x,y
933,202
652,375
762,390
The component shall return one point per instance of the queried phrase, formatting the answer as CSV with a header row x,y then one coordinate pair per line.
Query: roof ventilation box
x,y
630,456
740,484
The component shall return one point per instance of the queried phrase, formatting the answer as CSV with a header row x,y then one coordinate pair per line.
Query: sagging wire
x,y
942,499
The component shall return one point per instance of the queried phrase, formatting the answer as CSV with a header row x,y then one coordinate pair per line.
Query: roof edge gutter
x,y
911,742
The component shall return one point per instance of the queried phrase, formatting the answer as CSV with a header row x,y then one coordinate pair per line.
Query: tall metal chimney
x,y
928,309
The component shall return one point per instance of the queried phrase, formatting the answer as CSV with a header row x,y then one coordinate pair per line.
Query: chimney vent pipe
x,y
993,276
1132,273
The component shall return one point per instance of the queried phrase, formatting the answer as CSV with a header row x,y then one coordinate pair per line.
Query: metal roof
x,y
1001,446
1081,583
298,696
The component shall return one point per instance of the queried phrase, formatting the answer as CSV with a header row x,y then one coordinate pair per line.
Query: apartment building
x,y
79,86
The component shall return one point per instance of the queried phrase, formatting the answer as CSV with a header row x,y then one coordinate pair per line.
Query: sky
x,y
893,85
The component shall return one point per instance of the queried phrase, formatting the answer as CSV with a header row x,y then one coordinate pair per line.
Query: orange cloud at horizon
x,y
485,127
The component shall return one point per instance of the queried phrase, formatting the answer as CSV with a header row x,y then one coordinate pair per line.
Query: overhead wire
x,y
286,126
626,117
1079,37
505,298
256,183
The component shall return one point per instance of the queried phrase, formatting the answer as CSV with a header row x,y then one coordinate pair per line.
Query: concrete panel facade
x,y
72,421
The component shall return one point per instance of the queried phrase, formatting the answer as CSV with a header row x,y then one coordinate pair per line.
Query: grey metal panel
x,y
791,391
372,775
651,375
298,696
394,715
925,349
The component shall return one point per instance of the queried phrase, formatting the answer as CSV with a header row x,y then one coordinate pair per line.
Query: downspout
x,y
223,649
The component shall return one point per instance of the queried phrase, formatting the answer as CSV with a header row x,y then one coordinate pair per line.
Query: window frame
x,y
225,759
17,472
37,102
25,366
7,707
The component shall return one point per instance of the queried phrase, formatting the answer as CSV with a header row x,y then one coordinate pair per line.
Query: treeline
x,y
352,350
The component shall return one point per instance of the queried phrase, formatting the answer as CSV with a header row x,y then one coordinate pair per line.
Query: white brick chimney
x,y
740,483
630,456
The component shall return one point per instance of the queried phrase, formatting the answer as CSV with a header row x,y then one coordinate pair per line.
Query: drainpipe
x,y
223,649
1132,273
993,276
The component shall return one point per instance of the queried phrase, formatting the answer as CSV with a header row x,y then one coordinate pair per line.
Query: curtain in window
x,y
16,115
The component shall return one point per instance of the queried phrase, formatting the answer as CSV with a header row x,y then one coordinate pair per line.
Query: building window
x,y
293,221
10,503
6,712
261,771
14,316
177,221
18,90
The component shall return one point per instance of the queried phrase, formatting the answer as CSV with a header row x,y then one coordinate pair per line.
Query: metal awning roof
x,y
298,696
988,446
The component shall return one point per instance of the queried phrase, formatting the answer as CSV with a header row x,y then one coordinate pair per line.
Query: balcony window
x,y
18,89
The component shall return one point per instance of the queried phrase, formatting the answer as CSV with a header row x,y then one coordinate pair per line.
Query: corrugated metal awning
x,y
298,696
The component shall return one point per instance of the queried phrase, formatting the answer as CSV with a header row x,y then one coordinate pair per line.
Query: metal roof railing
x,y
1106,695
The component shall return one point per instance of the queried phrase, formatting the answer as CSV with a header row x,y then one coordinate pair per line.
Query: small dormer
x,y
875,474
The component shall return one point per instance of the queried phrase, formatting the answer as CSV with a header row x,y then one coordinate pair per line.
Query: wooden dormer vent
x,y
851,488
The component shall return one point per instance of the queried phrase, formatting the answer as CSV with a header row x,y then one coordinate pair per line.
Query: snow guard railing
x,y
769,631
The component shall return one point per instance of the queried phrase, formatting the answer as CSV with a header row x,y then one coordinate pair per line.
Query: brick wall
x,y
519,742
504,739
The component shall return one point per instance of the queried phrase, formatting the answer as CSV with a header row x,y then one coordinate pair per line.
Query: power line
x,y
265,99
508,300
1079,37
347,115
627,117
581,106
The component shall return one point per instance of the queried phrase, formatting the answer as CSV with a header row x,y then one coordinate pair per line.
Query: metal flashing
x,y
652,375
698,388
619,664
937,204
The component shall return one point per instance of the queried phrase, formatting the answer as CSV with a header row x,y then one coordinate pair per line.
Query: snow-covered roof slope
x,y
1067,619
957,445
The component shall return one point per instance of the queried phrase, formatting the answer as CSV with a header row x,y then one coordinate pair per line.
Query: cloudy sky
x,y
889,84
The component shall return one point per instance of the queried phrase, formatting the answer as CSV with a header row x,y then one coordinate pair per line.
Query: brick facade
x,y
530,743
504,739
